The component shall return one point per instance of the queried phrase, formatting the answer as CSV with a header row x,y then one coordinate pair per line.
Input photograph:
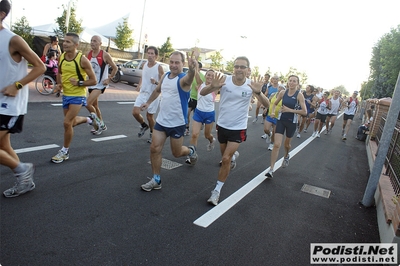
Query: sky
x,y
331,41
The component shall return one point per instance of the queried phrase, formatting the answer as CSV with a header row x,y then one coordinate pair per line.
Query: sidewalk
x,y
115,92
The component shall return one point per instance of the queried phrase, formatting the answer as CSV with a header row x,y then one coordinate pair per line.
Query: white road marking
x,y
125,102
212,215
37,148
56,104
109,138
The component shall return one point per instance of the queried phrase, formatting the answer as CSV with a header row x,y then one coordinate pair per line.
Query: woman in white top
x,y
204,114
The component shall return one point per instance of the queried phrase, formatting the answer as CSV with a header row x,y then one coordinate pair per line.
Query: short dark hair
x,y
153,48
74,35
5,7
200,64
243,58
51,54
179,53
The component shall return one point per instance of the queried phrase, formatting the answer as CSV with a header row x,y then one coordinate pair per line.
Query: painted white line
x,y
109,138
56,104
125,102
37,148
212,215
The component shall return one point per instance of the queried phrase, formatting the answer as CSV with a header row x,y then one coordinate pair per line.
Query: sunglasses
x,y
241,67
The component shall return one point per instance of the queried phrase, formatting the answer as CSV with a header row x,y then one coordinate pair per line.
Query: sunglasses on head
x,y
241,67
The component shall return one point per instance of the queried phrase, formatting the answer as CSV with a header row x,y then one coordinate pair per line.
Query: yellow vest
x,y
69,69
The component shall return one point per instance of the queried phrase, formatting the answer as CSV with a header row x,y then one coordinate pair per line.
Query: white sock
x,y
219,186
65,150
88,120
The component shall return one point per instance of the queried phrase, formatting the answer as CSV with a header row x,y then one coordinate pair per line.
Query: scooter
x,y
118,75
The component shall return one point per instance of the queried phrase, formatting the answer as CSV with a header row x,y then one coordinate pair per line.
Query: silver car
x,y
132,70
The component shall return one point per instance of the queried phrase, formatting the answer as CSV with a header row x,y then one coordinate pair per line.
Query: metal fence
x,y
392,161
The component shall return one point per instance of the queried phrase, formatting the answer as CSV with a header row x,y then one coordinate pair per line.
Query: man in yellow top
x,y
71,78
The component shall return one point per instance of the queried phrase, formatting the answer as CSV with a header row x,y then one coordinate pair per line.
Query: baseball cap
x,y
355,92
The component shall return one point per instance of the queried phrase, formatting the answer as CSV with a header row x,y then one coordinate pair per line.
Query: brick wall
x,y
381,107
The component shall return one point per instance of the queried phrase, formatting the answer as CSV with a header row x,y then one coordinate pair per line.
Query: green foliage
x,y
165,50
255,71
229,65
22,28
123,37
366,90
293,71
74,25
342,89
384,65
216,61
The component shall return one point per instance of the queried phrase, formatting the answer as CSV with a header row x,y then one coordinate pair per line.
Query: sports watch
x,y
18,85
80,83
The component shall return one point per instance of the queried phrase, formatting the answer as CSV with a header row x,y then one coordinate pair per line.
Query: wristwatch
x,y
18,85
80,83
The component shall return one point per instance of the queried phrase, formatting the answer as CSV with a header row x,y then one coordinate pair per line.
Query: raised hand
x,y
256,84
192,59
218,81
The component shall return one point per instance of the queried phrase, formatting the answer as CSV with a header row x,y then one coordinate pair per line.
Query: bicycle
x,y
45,84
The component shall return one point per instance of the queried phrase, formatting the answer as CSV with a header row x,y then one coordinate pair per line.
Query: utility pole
x,y
384,142
141,28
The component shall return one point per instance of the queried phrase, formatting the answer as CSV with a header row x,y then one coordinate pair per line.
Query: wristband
x,y
156,83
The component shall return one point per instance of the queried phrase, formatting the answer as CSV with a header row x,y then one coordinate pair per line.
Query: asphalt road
x,y
90,210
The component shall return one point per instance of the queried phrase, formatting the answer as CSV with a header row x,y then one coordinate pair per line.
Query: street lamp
x,y
141,28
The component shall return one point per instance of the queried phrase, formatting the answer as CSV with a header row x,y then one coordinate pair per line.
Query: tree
x,y
123,37
342,89
229,65
366,90
255,71
74,25
293,71
384,65
22,28
216,61
165,50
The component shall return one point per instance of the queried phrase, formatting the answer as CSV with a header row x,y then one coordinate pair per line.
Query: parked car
x,y
132,70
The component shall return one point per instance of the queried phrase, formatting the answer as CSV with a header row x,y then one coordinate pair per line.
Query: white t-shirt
x,y
234,105
335,104
147,74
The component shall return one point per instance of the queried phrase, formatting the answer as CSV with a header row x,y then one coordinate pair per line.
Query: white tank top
x,y
174,103
147,74
97,72
234,105
205,103
334,106
10,72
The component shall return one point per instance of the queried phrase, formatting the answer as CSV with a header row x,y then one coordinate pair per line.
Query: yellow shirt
x,y
68,69
278,106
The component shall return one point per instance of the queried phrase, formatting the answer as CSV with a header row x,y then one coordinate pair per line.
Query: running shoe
x,y
187,132
314,134
298,135
214,198
142,130
268,138
95,121
264,136
285,162
60,157
24,183
149,140
270,173
318,135
305,131
344,137
152,184
255,120
193,157
271,146
211,145
233,160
